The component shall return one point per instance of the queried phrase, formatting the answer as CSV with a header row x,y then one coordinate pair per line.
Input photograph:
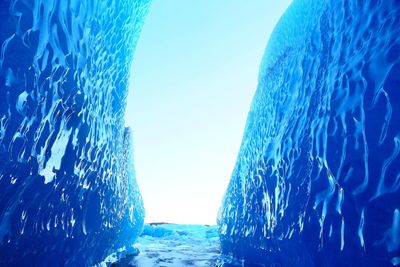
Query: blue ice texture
x,y
317,179
68,192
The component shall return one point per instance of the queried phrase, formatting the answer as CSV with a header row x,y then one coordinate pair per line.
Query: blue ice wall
x,y
317,179
68,194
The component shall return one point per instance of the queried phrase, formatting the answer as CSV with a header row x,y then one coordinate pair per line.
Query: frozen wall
x,y
317,179
68,194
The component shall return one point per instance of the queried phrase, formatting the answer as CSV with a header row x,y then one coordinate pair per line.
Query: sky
x,y
193,77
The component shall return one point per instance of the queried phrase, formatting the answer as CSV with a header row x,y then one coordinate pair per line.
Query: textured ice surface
x,y
172,245
68,194
317,180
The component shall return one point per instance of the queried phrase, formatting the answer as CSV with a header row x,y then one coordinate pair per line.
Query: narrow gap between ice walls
x,y
316,181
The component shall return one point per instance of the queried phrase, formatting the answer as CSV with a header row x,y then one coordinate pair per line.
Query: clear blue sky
x,y
193,78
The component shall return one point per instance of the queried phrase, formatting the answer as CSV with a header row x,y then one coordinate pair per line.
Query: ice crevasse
x,y
68,194
317,179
